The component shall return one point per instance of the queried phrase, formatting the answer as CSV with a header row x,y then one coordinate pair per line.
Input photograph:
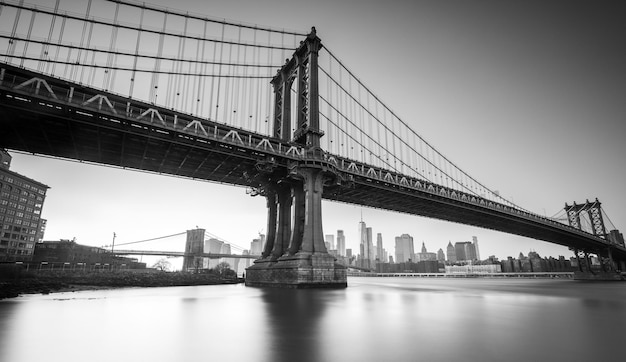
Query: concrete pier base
x,y
318,270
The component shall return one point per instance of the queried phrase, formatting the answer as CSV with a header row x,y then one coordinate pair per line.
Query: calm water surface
x,y
374,319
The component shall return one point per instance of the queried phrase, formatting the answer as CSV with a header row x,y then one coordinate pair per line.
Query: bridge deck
x,y
72,121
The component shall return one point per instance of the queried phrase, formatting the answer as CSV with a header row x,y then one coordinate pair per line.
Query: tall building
x,y
380,251
21,202
451,253
404,248
341,243
330,242
440,255
475,240
366,246
256,246
465,251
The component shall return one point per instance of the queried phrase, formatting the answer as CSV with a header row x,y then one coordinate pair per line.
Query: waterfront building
x,y
473,269
465,251
21,203
451,253
341,243
404,248
534,263
69,255
424,255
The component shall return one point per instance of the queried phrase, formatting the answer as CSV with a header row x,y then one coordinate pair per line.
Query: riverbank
x,y
50,282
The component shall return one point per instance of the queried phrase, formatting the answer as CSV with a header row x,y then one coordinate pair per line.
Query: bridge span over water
x,y
320,138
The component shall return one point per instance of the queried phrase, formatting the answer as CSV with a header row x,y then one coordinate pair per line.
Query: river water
x,y
374,319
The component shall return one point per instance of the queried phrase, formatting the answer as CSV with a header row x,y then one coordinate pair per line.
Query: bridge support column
x,y
271,224
306,263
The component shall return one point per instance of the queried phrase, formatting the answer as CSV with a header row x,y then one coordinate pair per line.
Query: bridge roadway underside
x,y
124,145
377,195
135,146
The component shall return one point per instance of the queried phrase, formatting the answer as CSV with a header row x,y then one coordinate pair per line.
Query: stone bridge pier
x,y
295,254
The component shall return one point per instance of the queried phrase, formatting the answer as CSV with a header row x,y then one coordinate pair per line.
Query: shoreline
x,y
64,282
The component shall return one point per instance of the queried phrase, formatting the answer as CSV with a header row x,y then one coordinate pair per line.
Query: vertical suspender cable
x,y
110,72
45,48
91,69
56,55
136,57
30,30
13,43
219,79
82,40
154,84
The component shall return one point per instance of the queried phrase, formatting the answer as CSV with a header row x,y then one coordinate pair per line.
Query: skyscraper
x,y
404,248
256,246
440,255
451,253
465,251
366,246
330,242
475,239
380,251
341,243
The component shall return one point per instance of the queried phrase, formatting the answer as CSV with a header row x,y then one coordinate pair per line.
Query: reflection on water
x,y
374,319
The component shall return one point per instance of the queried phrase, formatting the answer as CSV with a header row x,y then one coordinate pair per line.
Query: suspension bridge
x,y
136,86
212,247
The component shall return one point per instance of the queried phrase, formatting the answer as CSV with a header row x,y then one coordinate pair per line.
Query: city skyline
x,y
524,113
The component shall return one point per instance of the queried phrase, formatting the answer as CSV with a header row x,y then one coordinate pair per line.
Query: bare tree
x,y
223,269
162,265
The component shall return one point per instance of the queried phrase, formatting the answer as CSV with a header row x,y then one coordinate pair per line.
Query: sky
x,y
527,97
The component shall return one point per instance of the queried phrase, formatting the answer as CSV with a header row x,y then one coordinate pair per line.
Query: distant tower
x,y
193,246
440,255
341,243
330,242
380,251
451,253
475,239
424,248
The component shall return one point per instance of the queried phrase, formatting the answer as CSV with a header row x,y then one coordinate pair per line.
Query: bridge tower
x,y
194,247
295,254
594,212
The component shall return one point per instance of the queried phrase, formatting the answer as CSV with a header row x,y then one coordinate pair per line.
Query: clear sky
x,y
527,97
